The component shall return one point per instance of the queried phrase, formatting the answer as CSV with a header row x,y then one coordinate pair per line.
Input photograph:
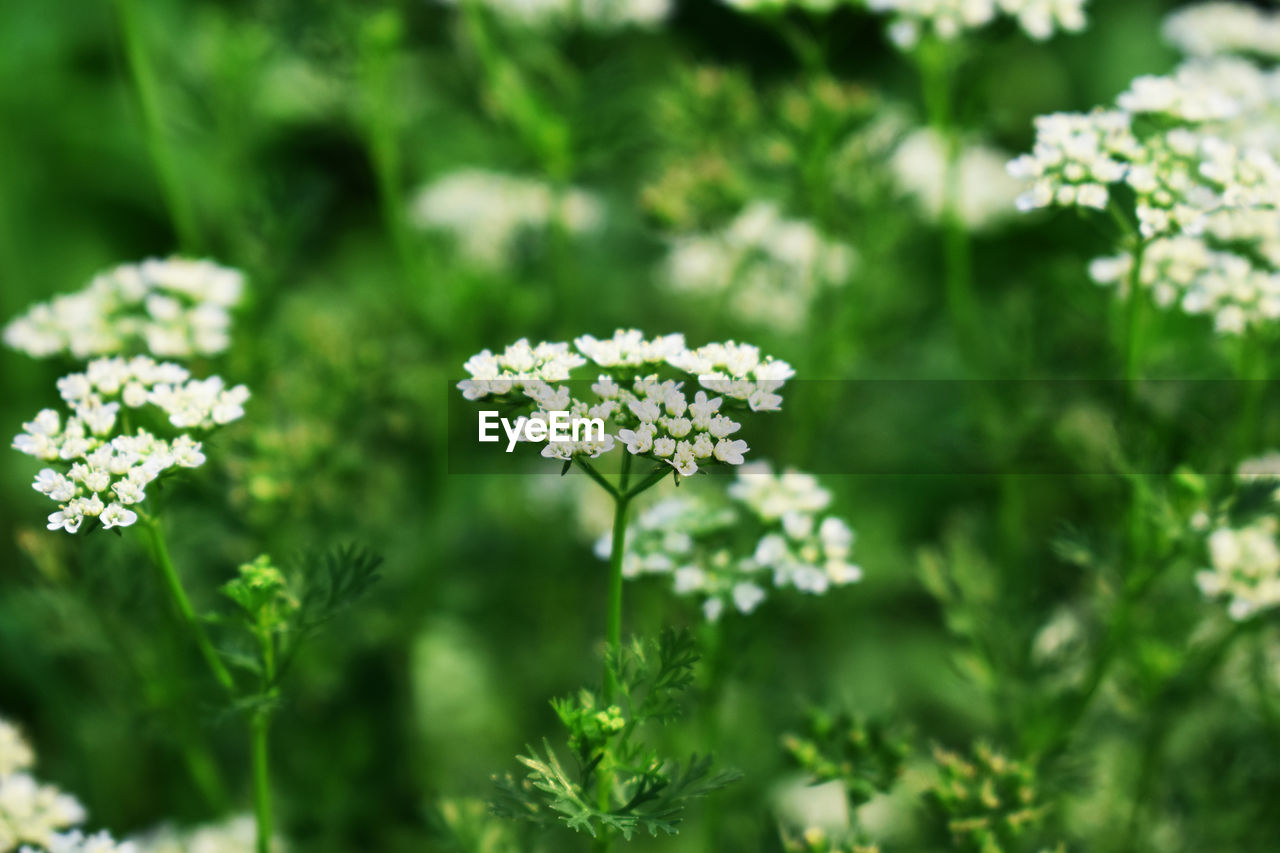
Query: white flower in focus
x,y
517,365
106,468
737,371
628,348
174,308
487,213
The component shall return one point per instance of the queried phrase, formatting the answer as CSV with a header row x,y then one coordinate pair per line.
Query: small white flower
x,y
730,452
747,596
117,516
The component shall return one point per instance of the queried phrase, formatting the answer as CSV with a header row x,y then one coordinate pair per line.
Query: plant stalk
x,y
259,730
936,69
141,70
173,582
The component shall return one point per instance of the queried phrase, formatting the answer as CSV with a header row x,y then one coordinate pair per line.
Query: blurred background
x,y
383,173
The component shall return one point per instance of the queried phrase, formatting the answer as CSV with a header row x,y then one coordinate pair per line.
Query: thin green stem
x,y
624,473
613,606
142,71
1251,374
258,728
650,481
597,476
173,582
1134,317
613,646
937,68
380,45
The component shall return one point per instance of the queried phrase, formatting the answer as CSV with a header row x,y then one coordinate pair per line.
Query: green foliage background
x,y
295,133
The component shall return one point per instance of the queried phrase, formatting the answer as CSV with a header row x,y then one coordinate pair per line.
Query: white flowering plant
x,y
171,308
648,417
727,547
1183,165
645,793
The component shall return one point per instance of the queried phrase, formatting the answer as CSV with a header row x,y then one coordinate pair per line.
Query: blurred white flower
x,y
236,834
103,467
948,19
31,812
768,268
794,545
773,6
1196,150
78,842
15,752
986,192
1245,567
1207,29
174,308
488,212
591,14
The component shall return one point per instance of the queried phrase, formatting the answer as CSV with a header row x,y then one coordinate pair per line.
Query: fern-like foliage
x,y
644,792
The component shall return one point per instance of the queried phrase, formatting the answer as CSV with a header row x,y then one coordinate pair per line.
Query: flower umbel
x,y
697,539
643,394
101,466
174,308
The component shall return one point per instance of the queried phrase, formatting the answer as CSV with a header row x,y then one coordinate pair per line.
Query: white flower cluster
x,y
174,308
947,19
671,428
591,14
985,194
1209,29
796,545
1184,272
767,268
78,842
643,394
237,834
1245,567
488,213
31,812
1197,151
517,366
106,464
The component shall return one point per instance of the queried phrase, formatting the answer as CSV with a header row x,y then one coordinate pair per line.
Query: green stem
x,y
1133,323
648,482
613,606
259,726
1251,374
259,729
380,45
181,210
613,646
936,71
173,582
597,476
